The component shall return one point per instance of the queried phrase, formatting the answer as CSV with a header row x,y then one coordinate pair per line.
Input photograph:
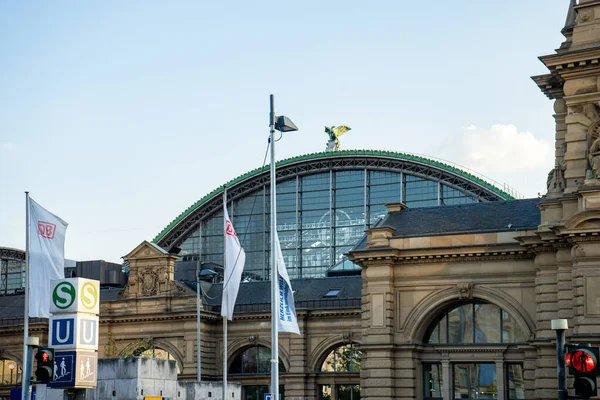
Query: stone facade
x,y
534,275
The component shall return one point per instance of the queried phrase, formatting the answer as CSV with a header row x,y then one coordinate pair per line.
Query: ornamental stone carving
x,y
465,290
347,337
149,283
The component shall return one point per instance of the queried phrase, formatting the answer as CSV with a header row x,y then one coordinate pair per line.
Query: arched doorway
x,y
10,372
10,376
339,374
252,368
471,351
150,348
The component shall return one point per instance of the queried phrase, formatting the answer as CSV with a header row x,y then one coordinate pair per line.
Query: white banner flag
x,y
287,320
46,257
235,258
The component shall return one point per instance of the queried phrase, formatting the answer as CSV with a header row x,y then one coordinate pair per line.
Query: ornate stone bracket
x,y
465,290
347,337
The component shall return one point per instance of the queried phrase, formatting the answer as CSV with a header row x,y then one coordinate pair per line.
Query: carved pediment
x,y
151,272
146,250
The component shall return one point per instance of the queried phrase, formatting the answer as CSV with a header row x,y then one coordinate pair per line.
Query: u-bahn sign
x,y
74,331
75,295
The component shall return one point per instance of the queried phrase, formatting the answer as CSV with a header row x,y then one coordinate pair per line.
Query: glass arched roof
x,y
490,191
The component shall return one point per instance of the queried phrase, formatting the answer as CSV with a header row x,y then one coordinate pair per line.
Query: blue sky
x,y
117,116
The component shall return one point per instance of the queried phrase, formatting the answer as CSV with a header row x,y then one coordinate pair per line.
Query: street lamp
x,y
203,274
282,124
560,326
11,367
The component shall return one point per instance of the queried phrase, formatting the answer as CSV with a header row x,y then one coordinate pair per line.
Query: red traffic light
x,y
582,360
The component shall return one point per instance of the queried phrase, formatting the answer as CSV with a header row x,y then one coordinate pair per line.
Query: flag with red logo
x,y
235,258
46,257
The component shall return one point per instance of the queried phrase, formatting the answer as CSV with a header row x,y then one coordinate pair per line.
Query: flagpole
x,y
225,276
274,286
198,304
25,366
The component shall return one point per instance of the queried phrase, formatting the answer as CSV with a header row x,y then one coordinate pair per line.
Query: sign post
x,y
73,332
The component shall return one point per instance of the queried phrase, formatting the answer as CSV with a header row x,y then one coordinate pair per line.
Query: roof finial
x,y
570,21
567,31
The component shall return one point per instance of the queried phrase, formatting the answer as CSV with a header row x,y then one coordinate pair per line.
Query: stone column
x,y
446,376
546,310
297,386
377,376
500,376
565,284
586,284
407,378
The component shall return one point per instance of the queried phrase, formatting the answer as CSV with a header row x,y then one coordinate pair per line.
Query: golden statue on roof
x,y
334,133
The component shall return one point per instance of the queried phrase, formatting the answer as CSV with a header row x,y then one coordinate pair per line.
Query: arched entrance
x,y
339,374
252,368
472,351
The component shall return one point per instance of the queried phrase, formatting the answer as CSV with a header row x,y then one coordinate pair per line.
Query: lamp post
x,y
281,124
202,275
11,367
560,326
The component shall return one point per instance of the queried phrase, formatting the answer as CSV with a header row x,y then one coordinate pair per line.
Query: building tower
x,y
567,245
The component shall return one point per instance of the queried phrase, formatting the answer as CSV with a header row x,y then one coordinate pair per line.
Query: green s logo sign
x,y
63,295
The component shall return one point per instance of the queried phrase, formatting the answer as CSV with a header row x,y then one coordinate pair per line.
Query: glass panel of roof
x,y
316,200
346,179
349,197
315,182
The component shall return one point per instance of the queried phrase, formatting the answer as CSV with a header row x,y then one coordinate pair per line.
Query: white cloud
x,y
499,148
502,153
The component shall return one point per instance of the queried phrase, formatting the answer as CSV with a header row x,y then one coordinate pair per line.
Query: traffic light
x,y
583,365
44,372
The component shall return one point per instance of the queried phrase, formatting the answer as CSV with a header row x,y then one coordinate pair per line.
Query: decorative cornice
x,y
451,257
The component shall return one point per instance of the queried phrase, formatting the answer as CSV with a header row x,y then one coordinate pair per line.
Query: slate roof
x,y
252,297
308,294
493,216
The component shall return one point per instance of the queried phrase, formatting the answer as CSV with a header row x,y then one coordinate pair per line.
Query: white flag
x,y
46,257
234,265
287,320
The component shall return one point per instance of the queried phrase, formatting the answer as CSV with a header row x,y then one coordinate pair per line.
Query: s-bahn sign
x,y
73,331
75,295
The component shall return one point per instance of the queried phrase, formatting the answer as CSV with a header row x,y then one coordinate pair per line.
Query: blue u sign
x,y
63,332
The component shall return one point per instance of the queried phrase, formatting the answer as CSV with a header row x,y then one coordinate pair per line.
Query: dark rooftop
x,y
493,216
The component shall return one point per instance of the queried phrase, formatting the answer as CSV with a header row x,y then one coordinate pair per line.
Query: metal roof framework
x,y
180,228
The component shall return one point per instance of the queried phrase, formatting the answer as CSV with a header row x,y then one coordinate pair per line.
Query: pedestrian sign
x,y
75,369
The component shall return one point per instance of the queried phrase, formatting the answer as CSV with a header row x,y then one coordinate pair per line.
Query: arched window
x,y
254,360
156,352
10,372
345,358
475,323
470,328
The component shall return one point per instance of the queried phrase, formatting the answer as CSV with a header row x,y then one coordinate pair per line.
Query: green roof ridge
x,y
310,156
